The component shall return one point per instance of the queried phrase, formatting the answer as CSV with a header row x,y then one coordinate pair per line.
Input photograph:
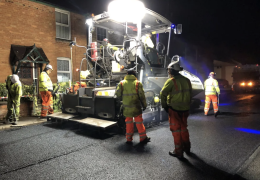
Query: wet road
x,y
223,148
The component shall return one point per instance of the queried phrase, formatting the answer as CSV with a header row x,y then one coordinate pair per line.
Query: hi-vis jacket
x,y
45,83
16,91
147,41
114,48
211,87
132,102
176,93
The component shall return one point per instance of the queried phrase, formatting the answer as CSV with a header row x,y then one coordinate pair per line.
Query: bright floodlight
x,y
89,21
126,10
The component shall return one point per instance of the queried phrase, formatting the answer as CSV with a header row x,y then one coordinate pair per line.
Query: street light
x,y
126,10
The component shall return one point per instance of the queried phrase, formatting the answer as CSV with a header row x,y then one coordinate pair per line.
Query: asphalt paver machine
x,y
107,65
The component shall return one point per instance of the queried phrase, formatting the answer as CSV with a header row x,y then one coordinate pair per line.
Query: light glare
x,y
126,10
89,21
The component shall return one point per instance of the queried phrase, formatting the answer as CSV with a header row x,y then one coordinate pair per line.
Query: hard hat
x,y
48,66
14,78
175,66
105,40
212,74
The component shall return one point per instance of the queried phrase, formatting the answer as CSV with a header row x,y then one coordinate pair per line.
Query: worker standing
x,y
46,90
146,39
176,100
211,91
106,44
130,90
14,87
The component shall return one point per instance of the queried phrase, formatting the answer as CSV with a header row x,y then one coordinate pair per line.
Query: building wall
x,y
26,23
228,74
224,72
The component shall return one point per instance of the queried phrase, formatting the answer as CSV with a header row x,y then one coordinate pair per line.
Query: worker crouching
x,y
131,91
176,100
46,90
14,88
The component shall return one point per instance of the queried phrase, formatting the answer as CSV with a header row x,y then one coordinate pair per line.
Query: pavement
x,y
23,121
222,148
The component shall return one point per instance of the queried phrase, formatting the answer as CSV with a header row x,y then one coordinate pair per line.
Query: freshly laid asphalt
x,y
226,147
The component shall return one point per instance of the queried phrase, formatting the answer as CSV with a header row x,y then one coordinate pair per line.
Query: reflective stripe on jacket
x,y
211,87
176,93
45,82
127,91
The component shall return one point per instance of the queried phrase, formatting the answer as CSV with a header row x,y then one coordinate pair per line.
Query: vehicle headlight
x,y
242,84
250,84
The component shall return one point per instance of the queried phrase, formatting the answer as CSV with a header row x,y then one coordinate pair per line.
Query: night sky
x,y
227,27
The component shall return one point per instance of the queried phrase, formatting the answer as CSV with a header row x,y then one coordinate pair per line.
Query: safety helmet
x,y
106,40
48,66
212,74
174,66
14,78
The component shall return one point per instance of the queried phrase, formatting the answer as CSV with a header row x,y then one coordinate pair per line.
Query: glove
x,y
144,108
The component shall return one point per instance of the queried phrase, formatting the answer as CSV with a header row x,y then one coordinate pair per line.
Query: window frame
x,y
30,67
70,70
60,24
97,33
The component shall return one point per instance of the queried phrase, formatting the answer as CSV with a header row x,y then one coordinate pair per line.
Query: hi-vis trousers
x,y
130,127
208,99
178,127
47,103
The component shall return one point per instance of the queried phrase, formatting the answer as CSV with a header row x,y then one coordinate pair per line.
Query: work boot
x,y
14,123
187,152
216,114
173,153
146,140
129,142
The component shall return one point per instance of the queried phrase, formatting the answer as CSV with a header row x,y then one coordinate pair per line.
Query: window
x,y
101,34
25,71
62,24
63,69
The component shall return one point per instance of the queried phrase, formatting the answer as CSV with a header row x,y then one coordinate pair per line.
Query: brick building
x,y
26,23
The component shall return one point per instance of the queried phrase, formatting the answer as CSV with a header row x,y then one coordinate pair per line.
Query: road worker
x,y
14,87
146,39
106,44
46,90
131,91
176,100
211,91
